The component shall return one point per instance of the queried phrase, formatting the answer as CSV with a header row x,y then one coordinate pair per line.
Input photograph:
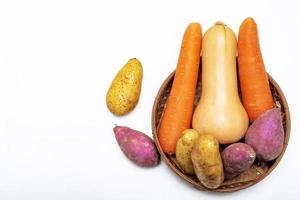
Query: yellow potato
x,y
184,148
125,89
207,161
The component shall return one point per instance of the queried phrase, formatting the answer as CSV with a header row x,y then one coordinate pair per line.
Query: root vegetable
x,y
137,146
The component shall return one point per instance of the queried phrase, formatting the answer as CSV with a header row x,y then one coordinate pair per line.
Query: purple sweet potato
x,y
237,158
137,146
266,135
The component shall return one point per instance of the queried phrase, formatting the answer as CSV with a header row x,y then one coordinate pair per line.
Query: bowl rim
x,y
198,185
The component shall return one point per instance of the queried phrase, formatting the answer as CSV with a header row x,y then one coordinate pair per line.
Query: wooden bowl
x,y
257,171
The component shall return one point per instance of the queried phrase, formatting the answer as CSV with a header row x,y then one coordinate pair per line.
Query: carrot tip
x,y
194,26
249,20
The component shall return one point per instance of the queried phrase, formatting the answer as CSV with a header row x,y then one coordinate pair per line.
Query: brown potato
x,y
125,89
207,161
184,148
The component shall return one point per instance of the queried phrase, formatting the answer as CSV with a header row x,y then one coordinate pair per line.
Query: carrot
x,y
178,112
255,89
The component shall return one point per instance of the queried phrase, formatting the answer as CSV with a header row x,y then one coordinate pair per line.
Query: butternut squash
x,y
220,111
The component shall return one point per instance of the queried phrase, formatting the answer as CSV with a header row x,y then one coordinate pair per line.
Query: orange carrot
x,y
256,93
178,113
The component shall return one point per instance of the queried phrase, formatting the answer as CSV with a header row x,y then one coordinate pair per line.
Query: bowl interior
x,y
254,174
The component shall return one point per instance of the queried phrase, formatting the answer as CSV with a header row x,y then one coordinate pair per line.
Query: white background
x,y
57,59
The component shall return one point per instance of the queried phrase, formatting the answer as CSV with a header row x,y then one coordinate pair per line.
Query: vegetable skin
x,y
137,146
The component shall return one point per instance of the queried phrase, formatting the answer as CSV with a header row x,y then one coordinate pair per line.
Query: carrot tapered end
x,y
249,21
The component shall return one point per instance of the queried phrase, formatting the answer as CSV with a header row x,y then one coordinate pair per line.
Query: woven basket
x,y
254,174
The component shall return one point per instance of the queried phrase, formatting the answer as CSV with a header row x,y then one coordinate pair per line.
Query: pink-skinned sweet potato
x,y
237,158
266,135
137,146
